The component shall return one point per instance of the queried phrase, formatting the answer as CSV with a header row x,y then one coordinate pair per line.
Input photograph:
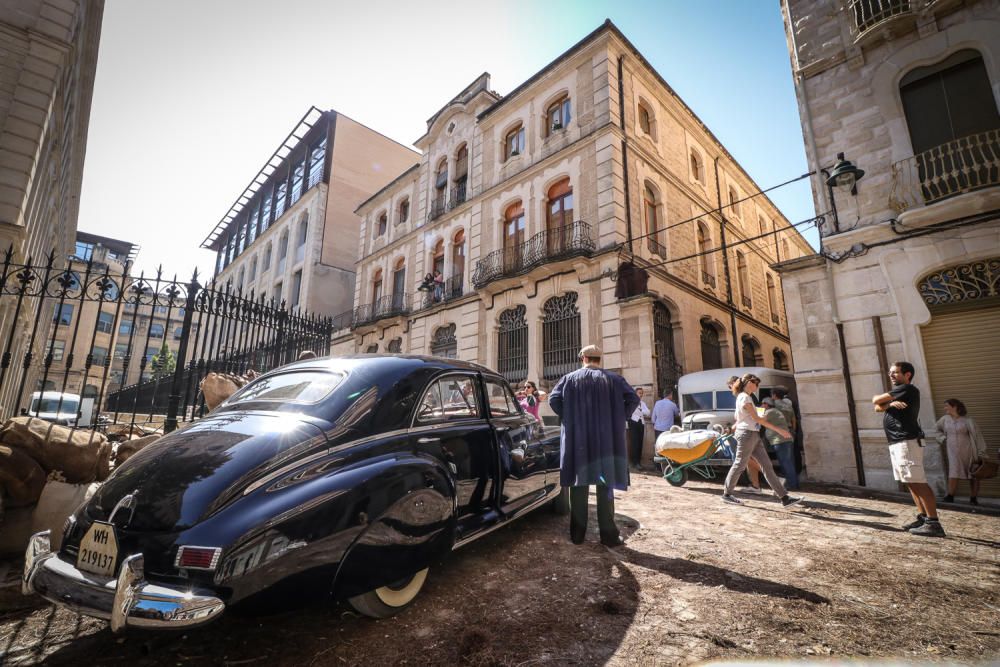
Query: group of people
x,y
594,404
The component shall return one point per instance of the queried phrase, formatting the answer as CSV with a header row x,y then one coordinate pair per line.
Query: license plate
x,y
98,550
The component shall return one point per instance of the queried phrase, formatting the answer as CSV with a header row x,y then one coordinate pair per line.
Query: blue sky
x,y
192,97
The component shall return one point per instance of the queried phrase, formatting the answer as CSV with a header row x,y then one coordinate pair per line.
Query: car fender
x,y
410,524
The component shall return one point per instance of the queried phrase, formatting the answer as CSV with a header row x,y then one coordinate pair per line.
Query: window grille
x,y
711,347
667,368
560,336
512,344
444,343
395,346
962,283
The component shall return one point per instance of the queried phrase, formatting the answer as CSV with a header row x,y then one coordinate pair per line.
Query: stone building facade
x,y
910,270
527,206
49,52
284,237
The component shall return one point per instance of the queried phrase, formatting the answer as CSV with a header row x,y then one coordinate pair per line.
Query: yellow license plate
x,y
98,550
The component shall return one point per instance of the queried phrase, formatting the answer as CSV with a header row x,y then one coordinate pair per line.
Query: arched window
x,y
403,213
437,257
706,259
440,189
557,116
512,344
743,275
711,346
751,351
697,173
399,284
282,251
253,270
943,103
377,286
266,262
667,369
734,202
444,344
651,215
395,346
647,122
762,227
90,391
772,299
513,237
156,331
784,250
559,217
560,336
178,332
780,360
381,224
239,282
455,283
372,349
300,247
513,143
458,194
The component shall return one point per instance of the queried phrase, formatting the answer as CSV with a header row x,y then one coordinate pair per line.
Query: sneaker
x,y
788,501
915,524
732,500
931,528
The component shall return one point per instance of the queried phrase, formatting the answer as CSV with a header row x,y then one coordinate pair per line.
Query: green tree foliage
x,y
164,363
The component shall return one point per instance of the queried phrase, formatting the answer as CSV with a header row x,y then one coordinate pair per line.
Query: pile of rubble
x,y
47,471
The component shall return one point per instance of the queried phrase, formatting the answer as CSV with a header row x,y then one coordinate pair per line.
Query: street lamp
x,y
844,176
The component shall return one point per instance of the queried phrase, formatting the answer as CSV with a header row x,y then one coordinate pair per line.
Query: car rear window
x,y
300,387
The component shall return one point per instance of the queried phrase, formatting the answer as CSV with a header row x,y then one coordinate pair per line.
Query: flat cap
x,y
591,351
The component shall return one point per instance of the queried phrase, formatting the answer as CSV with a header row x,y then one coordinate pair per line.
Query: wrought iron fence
x,y
102,332
452,288
458,195
951,169
560,336
546,246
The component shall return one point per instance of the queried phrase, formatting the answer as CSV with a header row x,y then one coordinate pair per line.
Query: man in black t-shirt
x,y
901,406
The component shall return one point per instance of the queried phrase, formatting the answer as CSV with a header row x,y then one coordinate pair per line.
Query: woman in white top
x,y
966,445
749,444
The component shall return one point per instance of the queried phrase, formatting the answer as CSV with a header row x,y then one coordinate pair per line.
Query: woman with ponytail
x,y
749,444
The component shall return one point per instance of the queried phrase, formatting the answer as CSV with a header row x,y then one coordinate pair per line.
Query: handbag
x,y
984,469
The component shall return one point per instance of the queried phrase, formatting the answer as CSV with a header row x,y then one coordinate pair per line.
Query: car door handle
x,y
501,429
428,441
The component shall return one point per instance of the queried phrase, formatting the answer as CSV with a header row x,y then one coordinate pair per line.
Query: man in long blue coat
x,y
592,404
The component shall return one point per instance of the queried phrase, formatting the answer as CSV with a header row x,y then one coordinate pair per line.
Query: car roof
x,y
396,362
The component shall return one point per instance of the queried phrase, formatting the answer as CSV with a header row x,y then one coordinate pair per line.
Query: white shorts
x,y
908,461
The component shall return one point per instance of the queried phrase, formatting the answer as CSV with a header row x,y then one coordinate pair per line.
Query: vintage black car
x,y
351,474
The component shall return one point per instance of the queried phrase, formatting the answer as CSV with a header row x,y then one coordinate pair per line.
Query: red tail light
x,y
197,558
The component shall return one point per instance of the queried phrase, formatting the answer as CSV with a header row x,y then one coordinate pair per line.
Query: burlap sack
x,y
57,502
217,387
130,447
20,477
81,455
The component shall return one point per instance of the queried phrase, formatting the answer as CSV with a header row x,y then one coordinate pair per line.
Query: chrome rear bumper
x,y
128,601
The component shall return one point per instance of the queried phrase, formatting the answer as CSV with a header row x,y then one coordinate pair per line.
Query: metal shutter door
x,y
962,349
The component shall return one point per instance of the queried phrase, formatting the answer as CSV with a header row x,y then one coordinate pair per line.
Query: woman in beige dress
x,y
965,445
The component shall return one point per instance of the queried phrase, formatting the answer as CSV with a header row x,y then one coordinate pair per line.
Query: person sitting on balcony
x,y
438,286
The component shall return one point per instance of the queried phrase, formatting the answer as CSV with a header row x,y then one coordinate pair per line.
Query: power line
x,y
720,208
819,219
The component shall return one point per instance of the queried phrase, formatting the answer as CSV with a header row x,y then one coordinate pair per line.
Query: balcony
x,y
389,305
747,302
458,195
708,278
953,168
438,208
869,15
453,288
550,245
656,247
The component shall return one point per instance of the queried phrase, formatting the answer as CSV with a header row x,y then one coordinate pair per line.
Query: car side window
x,y
502,402
447,399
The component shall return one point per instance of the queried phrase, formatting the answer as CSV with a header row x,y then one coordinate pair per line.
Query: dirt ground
x,y
697,581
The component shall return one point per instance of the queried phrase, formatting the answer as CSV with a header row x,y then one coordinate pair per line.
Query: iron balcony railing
x,y
953,168
344,320
389,305
438,208
656,247
871,14
452,288
708,278
552,244
747,302
458,195
775,318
